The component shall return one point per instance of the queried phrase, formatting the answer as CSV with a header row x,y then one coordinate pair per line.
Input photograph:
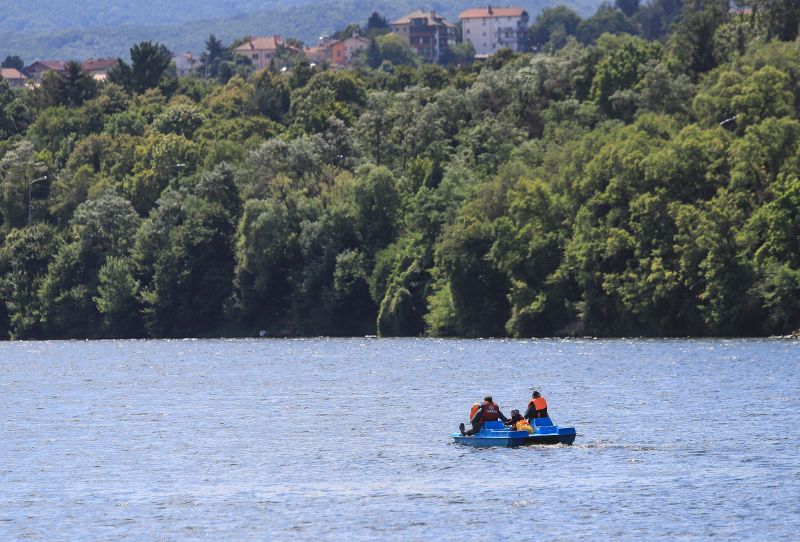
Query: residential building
x,y
40,67
342,51
13,76
260,51
429,34
185,64
319,53
491,28
98,67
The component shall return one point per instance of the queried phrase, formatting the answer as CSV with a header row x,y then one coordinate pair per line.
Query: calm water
x,y
349,439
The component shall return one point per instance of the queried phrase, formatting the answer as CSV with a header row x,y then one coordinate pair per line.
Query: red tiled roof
x,y
98,64
260,44
56,65
491,11
356,38
11,73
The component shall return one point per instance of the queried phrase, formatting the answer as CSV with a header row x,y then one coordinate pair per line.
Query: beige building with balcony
x,y
429,34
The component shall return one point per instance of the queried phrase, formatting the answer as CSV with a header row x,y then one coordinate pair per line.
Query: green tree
x,y
75,86
606,20
159,158
396,50
374,57
185,260
117,299
469,299
19,167
267,257
99,229
693,40
552,28
214,54
182,120
377,22
149,63
772,236
24,259
13,61
628,7
621,68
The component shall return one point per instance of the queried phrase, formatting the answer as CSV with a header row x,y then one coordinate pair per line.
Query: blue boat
x,y
497,434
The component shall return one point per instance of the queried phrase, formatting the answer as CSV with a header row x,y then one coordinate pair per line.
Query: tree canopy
x,y
607,184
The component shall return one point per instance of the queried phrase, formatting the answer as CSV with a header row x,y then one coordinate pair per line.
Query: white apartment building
x,y
491,28
185,64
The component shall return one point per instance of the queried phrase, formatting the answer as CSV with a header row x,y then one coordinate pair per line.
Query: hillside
x,y
614,187
43,30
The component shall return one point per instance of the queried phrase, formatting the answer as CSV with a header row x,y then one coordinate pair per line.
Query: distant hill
x,y
91,28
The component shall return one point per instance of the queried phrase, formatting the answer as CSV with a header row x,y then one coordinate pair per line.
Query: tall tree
x,y
628,7
75,85
212,56
693,38
13,61
149,62
376,25
552,28
782,17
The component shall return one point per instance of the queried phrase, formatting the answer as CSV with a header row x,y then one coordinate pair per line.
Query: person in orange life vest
x,y
486,411
537,408
518,423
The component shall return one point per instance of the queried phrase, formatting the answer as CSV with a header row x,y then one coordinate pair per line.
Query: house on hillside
x,y
14,77
98,67
186,64
429,34
491,28
260,51
319,53
40,67
342,51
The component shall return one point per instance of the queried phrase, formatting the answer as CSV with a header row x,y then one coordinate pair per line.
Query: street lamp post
x,y
30,187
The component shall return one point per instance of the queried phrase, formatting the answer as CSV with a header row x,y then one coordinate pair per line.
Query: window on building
x,y
255,56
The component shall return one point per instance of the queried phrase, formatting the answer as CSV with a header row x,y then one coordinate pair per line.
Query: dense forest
x,y
102,28
624,180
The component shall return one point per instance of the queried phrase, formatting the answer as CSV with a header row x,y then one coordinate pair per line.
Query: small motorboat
x,y
497,434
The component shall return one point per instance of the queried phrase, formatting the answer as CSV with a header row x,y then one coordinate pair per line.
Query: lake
x,y
349,439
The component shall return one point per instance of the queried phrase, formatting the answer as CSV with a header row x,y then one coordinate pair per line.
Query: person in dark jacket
x,y
487,411
518,422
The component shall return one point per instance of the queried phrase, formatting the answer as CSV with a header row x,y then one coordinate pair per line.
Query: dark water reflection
x,y
348,439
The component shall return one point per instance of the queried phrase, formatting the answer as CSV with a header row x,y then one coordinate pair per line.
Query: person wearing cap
x,y
537,407
488,411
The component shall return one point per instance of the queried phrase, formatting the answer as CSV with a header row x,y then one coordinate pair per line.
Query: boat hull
x,y
496,434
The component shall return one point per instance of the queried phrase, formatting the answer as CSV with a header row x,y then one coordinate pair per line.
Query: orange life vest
x,y
473,410
538,404
490,412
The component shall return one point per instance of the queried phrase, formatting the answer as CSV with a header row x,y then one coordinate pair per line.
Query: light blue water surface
x,y
349,440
